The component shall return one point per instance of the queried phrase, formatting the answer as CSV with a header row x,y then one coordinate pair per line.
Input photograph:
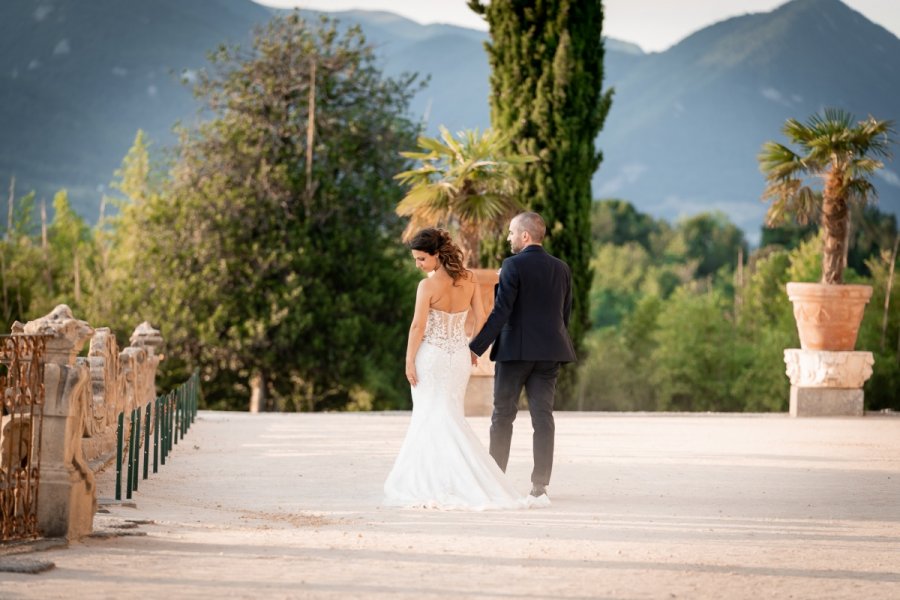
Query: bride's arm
x,y
417,330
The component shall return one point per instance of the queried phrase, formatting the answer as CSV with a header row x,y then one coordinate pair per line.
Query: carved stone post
x,y
143,358
67,493
107,390
145,336
827,384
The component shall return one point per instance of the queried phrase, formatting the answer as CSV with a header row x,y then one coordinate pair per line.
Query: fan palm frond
x,y
434,145
862,167
860,190
831,147
779,162
468,180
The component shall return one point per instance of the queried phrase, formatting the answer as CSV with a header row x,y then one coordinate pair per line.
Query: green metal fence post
x,y
169,417
184,410
156,436
176,416
195,394
163,431
136,457
164,440
147,440
128,488
179,412
120,434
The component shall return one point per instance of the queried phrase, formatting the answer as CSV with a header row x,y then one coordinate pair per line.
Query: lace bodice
x,y
446,330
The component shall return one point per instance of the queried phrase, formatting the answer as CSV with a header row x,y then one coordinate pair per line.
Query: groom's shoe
x,y
538,490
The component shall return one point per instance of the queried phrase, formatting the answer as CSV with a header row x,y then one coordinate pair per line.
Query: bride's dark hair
x,y
438,242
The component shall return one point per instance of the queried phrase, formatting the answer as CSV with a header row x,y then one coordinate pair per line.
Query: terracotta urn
x,y
479,399
828,316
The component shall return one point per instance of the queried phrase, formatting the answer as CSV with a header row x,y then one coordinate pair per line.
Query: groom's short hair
x,y
534,224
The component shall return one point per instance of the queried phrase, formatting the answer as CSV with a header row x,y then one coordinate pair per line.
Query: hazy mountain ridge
x,y
78,79
687,124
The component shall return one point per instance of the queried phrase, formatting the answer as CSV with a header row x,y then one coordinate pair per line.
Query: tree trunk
x,y
77,281
45,248
310,136
9,214
470,244
835,217
258,392
6,312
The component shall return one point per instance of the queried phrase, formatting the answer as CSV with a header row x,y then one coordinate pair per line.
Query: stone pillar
x,y
827,384
146,343
67,493
106,389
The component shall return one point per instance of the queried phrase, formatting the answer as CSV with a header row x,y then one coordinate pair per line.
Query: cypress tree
x,y
546,77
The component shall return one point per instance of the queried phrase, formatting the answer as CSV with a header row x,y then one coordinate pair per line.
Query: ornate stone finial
x,y
145,336
67,334
102,339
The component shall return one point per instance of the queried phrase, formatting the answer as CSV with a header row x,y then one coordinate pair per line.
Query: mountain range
x,y
78,79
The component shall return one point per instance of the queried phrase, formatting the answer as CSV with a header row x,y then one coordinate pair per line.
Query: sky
x,y
654,25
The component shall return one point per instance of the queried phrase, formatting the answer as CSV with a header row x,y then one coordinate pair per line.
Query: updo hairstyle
x,y
438,242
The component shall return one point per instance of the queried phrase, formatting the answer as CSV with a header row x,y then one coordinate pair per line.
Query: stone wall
x,y
83,398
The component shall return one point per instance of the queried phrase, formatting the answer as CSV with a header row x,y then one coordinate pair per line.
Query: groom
x,y
528,327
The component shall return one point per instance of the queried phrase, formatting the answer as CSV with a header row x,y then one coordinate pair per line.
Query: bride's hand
x,y
411,374
474,358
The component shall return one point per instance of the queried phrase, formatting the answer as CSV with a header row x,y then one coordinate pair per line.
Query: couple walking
x,y
441,463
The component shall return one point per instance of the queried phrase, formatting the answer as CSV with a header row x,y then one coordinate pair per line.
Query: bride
x,y
441,463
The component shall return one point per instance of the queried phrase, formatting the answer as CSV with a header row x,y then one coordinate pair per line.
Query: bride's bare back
x,y
449,296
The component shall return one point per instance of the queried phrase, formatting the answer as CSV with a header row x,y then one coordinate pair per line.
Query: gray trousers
x,y
539,380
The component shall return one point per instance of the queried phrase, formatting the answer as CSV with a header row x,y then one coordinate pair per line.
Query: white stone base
x,y
825,369
826,402
827,384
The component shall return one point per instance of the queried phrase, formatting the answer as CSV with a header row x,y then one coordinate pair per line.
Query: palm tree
x,y
465,183
843,156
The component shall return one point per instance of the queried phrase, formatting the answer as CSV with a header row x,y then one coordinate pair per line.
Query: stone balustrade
x,y
83,398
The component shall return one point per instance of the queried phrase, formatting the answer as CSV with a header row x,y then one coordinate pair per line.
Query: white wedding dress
x,y
442,464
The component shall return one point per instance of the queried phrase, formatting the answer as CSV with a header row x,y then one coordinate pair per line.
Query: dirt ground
x,y
643,506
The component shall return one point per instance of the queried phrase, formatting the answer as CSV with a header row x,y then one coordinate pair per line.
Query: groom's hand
x,y
474,358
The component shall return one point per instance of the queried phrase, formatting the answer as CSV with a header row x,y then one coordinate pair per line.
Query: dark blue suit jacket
x,y
532,304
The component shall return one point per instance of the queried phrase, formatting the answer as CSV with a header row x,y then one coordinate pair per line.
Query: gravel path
x,y
644,506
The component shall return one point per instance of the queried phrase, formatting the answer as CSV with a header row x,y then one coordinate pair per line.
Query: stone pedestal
x,y
479,401
827,384
67,500
67,493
